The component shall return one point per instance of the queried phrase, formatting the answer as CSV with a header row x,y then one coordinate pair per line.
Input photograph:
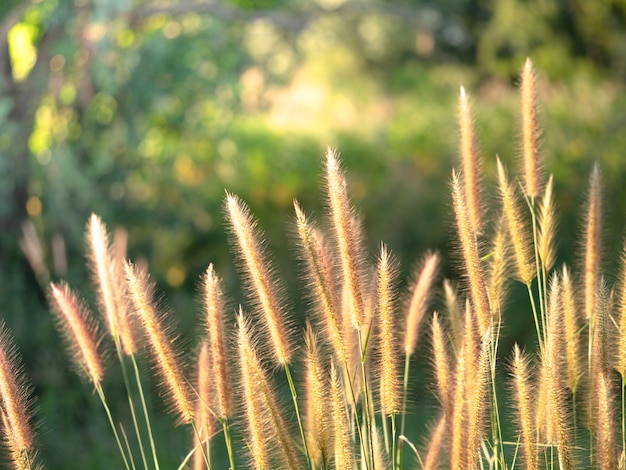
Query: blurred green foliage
x,y
145,113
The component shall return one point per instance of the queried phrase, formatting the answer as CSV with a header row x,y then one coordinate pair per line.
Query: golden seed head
x,y
390,384
571,330
441,364
268,432
166,360
203,418
80,331
520,239
216,329
524,397
593,243
101,266
498,269
435,445
473,265
15,403
106,263
322,282
530,131
621,316
344,459
422,293
262,287
471,164
317,422
547,228
346,237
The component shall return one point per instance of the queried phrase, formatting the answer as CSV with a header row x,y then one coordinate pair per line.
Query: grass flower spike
x,y
167,362
262,287
80,330
346,237
15,403
530,131
471,165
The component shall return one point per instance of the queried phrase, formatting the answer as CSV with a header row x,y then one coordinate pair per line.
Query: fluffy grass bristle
x,y
15,401
571,330
454,313
554,376
520,239
592,241
203,418
530,131
318,429
269,437
166,360
80,331
100,263
320,276
471,164
441,364
498,274
421,295
471,257
547,228
387,325
262,287
435,445
463,384
620,363
343,454
606,425
525,417
346,237
478,403
213,304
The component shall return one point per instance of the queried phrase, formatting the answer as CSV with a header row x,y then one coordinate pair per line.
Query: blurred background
x,y
144,112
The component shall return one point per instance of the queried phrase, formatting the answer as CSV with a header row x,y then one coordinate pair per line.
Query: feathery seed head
x,y
571,330
166,360
346,236
520,239
268,432
524,399
436,444
554,376
605,423
15,404
344,459
547,228
203,417
593,242
257,423
390,385
454,311
441,364
101,266
214,314
477,402
106,263
80,331
317,422
498,269
322,283
530,131
422,292
473,265
262,287
621,317
471,164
